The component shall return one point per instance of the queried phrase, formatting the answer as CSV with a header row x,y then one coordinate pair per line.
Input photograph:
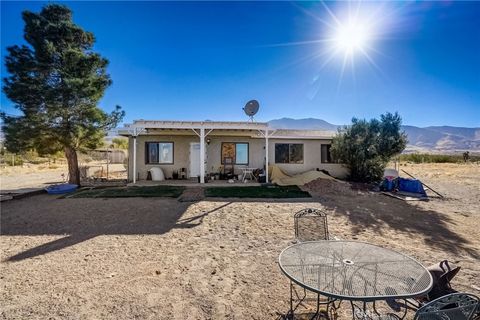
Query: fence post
x,y
107,163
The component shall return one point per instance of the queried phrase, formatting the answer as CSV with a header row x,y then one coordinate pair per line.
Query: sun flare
x,y
351,37
348,36
352,34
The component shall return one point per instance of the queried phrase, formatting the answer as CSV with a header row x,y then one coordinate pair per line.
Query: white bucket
x,y
390,173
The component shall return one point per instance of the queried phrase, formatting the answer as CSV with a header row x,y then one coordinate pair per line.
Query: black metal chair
x,y
311,225
228,168
455,306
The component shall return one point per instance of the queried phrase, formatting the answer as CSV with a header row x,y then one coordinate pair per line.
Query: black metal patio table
x,y
353,271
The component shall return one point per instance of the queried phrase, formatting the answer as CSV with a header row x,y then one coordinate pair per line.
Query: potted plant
x,y
205,179
175,174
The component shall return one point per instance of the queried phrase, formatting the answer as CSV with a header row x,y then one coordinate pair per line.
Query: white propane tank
x,y
157,174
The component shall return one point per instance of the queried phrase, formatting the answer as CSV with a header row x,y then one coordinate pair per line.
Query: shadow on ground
x,y
78,220
380,214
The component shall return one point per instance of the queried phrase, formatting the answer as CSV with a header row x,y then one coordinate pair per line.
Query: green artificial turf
x,y
256,192
125,192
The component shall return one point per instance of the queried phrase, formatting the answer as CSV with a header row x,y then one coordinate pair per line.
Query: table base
x,y
358,312
362,313
330,303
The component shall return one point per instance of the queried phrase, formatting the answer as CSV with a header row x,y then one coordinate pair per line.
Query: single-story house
x,y
200,148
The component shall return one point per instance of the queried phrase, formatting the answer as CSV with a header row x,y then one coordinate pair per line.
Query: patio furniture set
x,y
247,173
364,274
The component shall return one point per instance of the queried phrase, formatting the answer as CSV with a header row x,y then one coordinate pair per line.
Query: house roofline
x,y
141,127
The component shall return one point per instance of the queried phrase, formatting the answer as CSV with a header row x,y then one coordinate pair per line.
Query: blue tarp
x,y
61,188
388,184
410,185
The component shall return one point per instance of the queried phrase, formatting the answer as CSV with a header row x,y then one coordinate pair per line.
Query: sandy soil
x,y
17,182
31,176
163,259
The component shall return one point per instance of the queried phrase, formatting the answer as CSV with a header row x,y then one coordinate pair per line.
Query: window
x,y
237,151
288,153
241,156
326,156
159,152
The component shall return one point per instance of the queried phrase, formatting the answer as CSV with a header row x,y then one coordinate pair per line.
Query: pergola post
x,y
134,159
202,155
266,156
135,132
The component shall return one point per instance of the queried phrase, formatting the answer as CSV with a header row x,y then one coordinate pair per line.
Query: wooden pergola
x,y
201,128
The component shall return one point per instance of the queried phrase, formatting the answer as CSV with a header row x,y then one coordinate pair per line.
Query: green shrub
x,y
10,162
435,158
30,155
366,147
39,161
120,143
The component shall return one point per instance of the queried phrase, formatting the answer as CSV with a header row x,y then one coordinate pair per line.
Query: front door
x,y
194,159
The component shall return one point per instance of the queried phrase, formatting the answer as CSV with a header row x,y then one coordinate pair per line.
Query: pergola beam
x,y
200,124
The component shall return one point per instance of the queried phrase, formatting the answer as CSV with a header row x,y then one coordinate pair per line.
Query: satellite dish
x,y
251,108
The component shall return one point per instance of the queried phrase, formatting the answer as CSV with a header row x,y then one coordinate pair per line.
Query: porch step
x,y
191,194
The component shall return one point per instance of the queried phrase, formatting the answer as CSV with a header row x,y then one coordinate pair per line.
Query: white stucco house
x,y
199,148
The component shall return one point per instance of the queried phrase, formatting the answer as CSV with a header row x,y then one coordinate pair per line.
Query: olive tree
x,y
366,147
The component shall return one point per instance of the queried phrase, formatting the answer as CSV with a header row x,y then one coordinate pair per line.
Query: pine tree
x,y
56,81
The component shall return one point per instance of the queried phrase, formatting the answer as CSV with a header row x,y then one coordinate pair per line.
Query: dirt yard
x,y
153,258
15,179
33,176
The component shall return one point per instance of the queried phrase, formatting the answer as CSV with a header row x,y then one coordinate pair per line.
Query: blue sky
x,y
205,60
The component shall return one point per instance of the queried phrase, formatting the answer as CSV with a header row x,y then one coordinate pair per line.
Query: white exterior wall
x,y
181,153
256,154
311,158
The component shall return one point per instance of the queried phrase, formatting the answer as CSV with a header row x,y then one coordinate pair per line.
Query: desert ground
x,y
28,177
34,176
158,258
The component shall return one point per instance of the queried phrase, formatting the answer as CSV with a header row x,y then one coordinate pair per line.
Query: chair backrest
x,y
311,225
442,273
228,165
455,306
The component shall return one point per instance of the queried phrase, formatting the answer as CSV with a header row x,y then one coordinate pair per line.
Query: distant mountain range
x,y
427,139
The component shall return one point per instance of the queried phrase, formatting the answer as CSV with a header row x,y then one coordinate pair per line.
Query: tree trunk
x,y
73,171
